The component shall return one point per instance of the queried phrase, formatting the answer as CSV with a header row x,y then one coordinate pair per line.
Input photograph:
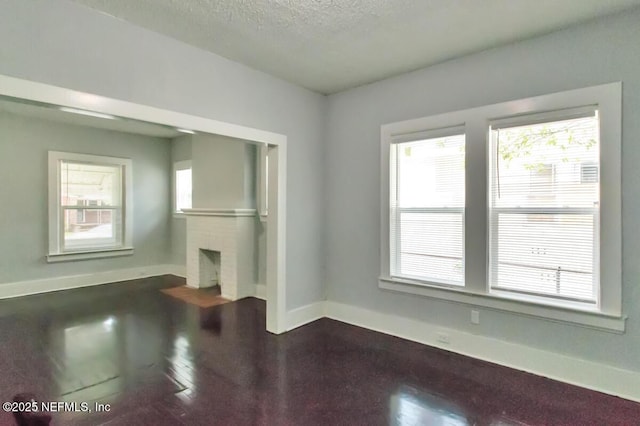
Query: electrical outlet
x,y
475,317
443,337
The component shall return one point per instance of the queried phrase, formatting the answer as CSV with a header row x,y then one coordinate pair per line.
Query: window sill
x,y
179,215
585,318
86,255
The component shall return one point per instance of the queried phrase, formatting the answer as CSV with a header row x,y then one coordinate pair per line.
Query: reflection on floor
x,y
160,361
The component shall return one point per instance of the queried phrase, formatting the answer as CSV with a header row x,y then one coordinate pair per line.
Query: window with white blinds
x,y
427,209
515,206
544,205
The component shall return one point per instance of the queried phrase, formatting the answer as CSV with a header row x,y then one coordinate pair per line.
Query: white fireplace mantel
x,y
220,212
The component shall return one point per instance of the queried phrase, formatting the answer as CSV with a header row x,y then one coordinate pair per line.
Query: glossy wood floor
x,y
160,361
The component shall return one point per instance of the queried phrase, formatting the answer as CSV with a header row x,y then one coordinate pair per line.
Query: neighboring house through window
x,y
90,206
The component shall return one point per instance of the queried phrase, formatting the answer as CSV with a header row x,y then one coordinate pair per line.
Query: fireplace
x,y
209,268
221,250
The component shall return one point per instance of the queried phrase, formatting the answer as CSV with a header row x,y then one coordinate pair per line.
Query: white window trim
x,y
476,121
56,254
262,181
178,165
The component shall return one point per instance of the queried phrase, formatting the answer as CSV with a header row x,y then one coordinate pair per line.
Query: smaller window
x,y
589,172
182,186
89,206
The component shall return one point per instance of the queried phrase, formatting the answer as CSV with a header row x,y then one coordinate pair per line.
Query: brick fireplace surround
x,y
231,233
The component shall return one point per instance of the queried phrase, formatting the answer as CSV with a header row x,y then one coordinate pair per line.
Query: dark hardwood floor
x,y
160,361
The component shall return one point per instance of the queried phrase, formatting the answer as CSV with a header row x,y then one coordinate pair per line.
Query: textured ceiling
x,y
332,45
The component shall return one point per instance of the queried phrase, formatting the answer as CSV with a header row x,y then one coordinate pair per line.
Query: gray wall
x,y
64,44
180,151
223,172
24,143
600,52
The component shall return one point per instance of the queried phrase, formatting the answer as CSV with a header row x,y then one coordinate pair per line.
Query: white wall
x,y
604,51
24,144
64,44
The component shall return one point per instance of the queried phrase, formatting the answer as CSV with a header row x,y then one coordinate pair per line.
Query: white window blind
x,y
427,195
544,206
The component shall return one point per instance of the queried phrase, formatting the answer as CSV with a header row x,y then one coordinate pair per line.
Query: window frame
x,y
177,166
262,181
608,314
56,252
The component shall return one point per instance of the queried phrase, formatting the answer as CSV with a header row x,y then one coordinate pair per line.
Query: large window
x,y
89,212
513,206
427,209
544,214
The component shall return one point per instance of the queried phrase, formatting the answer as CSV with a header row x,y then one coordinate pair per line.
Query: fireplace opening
x,y
209,268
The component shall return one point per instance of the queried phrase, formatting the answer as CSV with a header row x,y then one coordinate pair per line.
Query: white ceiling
x,y
332,45
52,113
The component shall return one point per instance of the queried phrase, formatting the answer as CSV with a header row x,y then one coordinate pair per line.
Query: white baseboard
x,y
46,285
177,270
261,292
575,371
305,314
